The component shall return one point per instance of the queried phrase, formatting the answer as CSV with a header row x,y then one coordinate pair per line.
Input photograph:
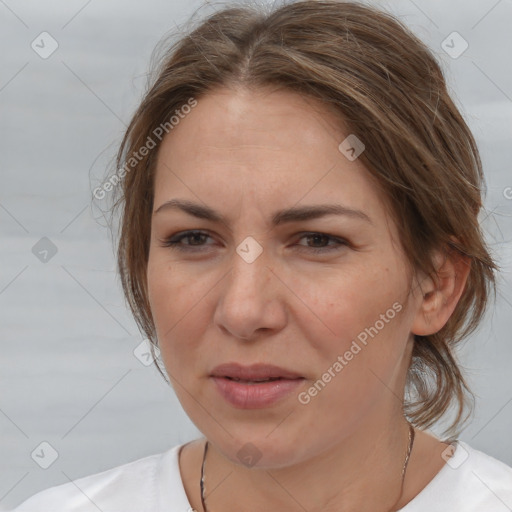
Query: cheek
x,y
345,303
366,336
359,373
177,300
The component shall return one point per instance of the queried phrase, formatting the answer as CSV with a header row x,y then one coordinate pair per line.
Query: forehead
x,y
272,146
228,119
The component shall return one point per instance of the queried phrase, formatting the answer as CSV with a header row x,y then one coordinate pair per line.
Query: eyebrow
x,y
294,214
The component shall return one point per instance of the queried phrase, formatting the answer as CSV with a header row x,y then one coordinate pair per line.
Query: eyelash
x,y
174,241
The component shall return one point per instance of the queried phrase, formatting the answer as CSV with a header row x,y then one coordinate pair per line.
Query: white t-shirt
x,y
471,481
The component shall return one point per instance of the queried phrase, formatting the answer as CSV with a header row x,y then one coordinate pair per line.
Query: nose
x,y
251,300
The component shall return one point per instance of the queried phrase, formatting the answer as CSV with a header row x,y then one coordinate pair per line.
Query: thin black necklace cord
x,y
404,468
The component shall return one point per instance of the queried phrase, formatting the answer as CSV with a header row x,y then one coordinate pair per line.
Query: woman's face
x,y
322,296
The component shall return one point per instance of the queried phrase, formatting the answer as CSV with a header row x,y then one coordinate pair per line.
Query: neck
x,y
361,473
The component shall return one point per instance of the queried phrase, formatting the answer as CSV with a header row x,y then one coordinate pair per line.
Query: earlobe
x,y
439,294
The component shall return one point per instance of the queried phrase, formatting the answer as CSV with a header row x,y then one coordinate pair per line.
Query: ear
x,y
439,294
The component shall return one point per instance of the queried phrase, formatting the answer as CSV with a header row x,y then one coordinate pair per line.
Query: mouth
x,y
255,387
256,381
255,373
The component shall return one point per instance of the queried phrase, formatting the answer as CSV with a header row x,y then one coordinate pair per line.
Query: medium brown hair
x,y
389,91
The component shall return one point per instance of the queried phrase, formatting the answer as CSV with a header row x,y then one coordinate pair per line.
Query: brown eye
x,y
320,239
195,239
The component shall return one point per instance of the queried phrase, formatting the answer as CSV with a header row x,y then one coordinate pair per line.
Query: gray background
x,y
68,375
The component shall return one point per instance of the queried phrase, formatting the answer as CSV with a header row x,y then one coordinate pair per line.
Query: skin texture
x,y
247,155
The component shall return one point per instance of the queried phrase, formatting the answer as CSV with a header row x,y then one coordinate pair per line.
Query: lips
x,y
255,387
253,373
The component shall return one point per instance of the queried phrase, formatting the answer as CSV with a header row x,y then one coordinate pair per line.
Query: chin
x,y
261,451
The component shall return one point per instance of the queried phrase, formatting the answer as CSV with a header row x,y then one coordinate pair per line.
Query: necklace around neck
x,y
404,467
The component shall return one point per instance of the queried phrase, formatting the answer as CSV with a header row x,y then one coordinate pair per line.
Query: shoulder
x,y
470,481
135,486
486,476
